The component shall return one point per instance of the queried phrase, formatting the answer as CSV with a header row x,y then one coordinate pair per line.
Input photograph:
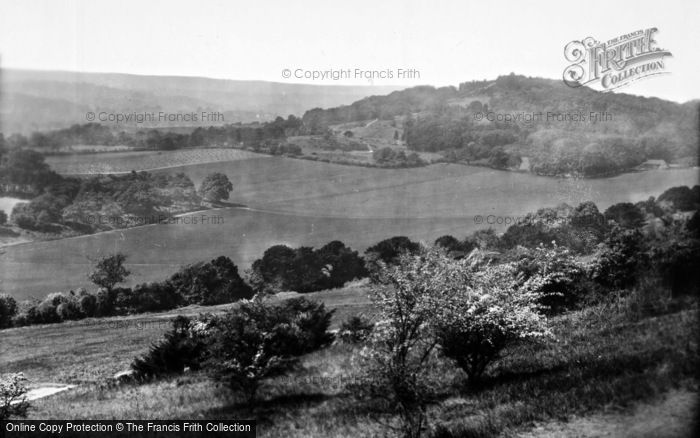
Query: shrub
x,y
625,214
215,282
87,305
183,346
46,313
355,329
393,367
68,311
104,302
57,298
563,283
305,269
27,314
681,198
476,314
13,401
8,309
152,297
313,321
257,340
675,258
620,260
389,250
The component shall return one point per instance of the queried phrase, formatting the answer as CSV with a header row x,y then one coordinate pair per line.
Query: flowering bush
x,y
470,310
562,276
478,313
13,402
394,364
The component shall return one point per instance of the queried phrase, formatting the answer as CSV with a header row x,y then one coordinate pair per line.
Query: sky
x,y
446,42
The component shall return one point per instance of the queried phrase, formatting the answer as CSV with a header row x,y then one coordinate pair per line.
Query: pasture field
x,y
298,202
626,366
123,162
91,350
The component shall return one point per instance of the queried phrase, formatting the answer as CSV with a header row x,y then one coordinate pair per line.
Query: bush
x,y
104,302
87,305
57,298
625,214
313,321
623,256
152,297
393,368
681,198
305,269
26,314
257,340
13,401
355,329
184,346
563,283
68,311
8,309
215,282
476,314
46,313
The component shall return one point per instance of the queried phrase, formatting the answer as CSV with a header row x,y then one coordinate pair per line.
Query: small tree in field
x,y
109,271
13,401
394,363
215,187
8,309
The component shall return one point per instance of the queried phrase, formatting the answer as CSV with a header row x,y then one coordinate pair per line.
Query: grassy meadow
x,y
622,361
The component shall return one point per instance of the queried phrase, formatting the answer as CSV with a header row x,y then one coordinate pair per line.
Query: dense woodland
x,y
443,120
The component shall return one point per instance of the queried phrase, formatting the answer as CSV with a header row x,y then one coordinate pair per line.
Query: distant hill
x,y
44,100
504,123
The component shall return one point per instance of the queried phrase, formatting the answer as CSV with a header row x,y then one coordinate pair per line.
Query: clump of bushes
x,y
306,269
250,343
214,282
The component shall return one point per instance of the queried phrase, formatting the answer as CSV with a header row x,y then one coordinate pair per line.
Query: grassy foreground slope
x,y
601,362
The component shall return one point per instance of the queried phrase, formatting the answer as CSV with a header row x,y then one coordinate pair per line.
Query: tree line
x,y
156,139
657,236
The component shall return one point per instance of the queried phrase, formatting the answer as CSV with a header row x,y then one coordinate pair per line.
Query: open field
x,y
122,162
602,368
299,202
91,350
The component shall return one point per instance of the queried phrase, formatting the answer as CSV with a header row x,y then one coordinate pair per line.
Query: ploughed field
x,y
299,202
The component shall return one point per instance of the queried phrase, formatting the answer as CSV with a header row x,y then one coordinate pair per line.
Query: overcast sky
x,y
446,41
